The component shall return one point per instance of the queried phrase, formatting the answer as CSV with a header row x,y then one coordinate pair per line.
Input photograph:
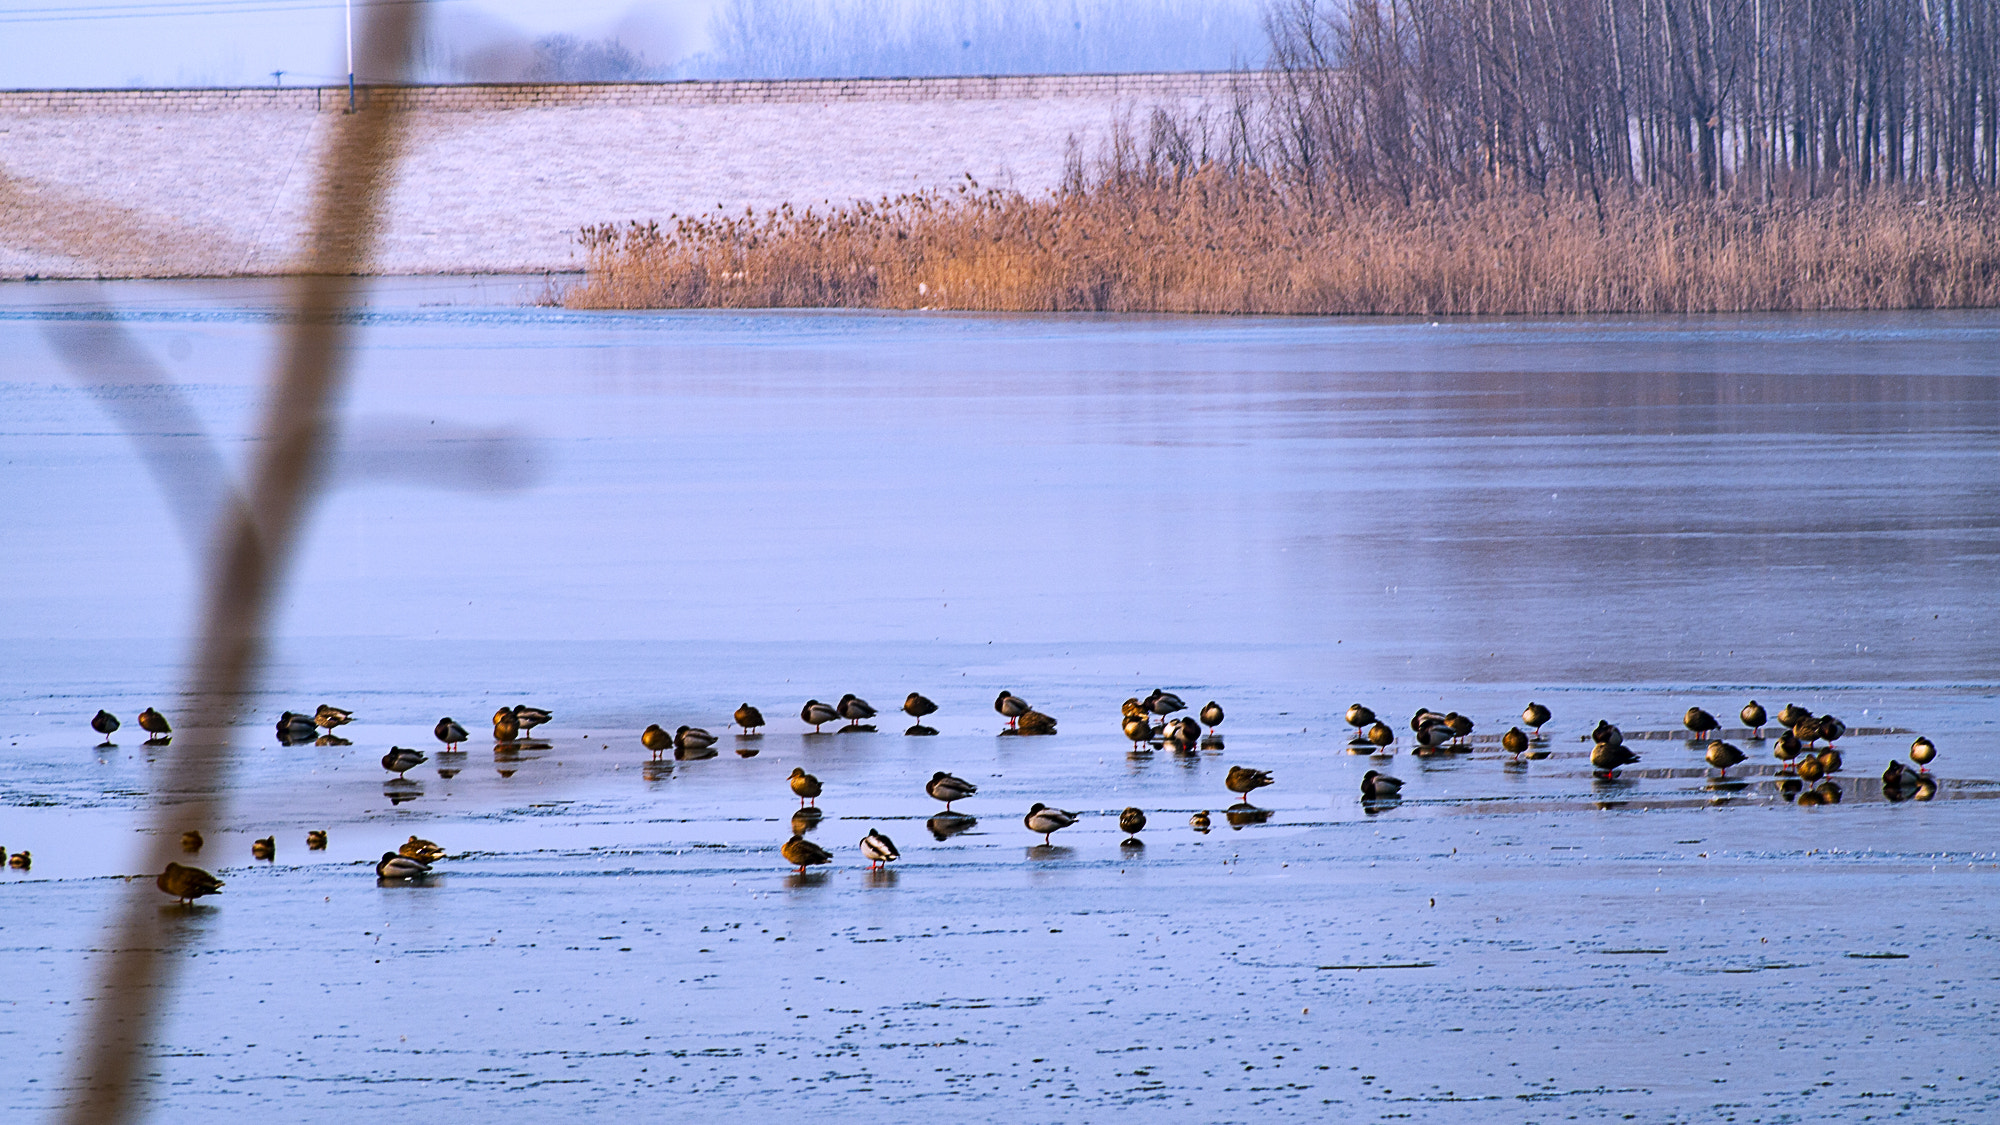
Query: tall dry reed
x,y
1228,240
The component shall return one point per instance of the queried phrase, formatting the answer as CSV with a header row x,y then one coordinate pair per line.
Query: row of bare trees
x,y
1753,99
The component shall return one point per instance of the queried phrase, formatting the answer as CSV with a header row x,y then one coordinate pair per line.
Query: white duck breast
x,y
879,848
1045,820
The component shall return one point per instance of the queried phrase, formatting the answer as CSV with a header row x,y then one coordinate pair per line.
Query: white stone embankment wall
x,y
175,183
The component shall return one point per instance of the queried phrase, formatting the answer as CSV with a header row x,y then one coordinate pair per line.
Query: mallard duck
x,y
1722,755
1138,728
1163,703
1132,821
154,723
1046,821
1133,707
692,740
803,853
394,866
1515,741
22,860
187,883
1433,736
1830,760
656,739
1787,747
1199,821
506,728
1896,776
944,787
1604,734
1810,768
294,727
879,849
1535,715
329,716
417,847
817,714
916,706
1922,751
1211,714
1381,736
449,732
854,709
104,723
805,785
1010,706
1831,730
1699,723
401,759
530,717
748,718
1753,716
1183,734
191,842
1610,757
316,840
266,848
1461,726
1380,786
1359,717
1034,722
1245,781
1425,717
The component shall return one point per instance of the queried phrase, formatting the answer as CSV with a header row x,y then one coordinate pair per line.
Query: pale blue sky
x,y
86,43
238,42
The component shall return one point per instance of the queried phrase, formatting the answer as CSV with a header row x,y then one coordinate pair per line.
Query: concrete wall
x,y
165,183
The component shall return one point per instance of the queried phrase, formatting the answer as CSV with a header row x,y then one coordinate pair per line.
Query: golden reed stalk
x,y
1223,240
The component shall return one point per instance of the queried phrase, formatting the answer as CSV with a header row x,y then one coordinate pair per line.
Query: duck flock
x,y
1150,723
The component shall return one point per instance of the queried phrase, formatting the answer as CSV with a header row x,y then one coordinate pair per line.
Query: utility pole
x,y
350,56
278,76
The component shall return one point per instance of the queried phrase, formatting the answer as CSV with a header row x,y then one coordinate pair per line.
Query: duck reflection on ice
x,y
1050,851
401,789
806,819
945,825
1243,814
656,771
881,877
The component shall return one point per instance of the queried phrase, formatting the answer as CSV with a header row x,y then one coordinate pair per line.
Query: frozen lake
x,y
637,518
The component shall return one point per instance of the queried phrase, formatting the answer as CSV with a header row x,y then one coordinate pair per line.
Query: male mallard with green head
x,y
817,714
401,759
1380,786
879,849
1010,706
449,732
1535,715
1046,821
944,787
395,866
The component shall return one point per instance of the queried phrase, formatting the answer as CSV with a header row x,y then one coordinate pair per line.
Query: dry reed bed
x,y
1214,243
